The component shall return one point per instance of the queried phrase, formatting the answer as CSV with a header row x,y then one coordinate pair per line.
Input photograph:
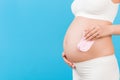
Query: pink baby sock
x,y
84,45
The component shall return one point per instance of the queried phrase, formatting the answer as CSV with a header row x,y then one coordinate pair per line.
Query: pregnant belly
x,y
101,47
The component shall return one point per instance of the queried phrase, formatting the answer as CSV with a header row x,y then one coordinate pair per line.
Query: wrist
x,y
111,29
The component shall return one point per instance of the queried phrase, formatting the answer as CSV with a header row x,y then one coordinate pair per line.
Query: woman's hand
x,y
97,31
68,62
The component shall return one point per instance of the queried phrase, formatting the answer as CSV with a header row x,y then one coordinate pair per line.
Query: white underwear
x,y
102,68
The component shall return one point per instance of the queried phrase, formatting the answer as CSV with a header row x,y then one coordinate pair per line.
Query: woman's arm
x,y
98,31
115,29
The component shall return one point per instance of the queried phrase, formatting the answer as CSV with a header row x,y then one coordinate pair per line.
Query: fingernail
x,y
73,66
86,38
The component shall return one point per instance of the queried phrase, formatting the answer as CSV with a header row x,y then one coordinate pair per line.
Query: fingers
x,y
87,31
67,61
92,33
94,36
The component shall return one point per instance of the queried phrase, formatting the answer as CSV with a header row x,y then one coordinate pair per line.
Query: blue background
x,y
31,38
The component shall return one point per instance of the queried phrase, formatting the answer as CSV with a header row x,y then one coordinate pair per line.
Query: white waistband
x,y
98,60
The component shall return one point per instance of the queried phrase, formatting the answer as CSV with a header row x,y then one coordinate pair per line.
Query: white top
x,y
96,9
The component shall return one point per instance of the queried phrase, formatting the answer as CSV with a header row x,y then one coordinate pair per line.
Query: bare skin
x,y
116,1
101,47
98,30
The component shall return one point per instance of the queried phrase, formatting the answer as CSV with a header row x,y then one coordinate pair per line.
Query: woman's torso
x,y
101,47
100,12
